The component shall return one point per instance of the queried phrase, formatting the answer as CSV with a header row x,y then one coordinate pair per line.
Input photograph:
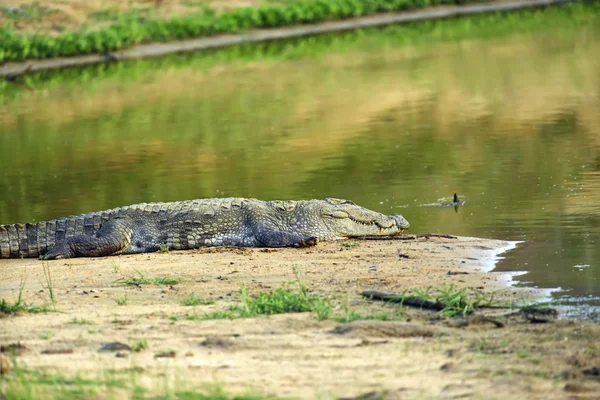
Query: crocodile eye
x,y
332,200
338,214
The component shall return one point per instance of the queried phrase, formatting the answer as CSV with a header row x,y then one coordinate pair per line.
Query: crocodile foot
x,y
307,242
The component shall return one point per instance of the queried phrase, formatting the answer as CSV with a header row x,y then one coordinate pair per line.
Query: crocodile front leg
x,y
271,237
112,238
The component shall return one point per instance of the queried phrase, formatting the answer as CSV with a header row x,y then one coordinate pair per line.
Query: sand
x,y
414,354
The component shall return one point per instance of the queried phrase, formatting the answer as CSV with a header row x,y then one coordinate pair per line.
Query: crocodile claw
x,y
307,242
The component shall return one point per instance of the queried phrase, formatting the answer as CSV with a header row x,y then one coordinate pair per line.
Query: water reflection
x,y
511,124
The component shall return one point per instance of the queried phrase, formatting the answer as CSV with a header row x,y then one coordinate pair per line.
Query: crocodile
x,y
191,224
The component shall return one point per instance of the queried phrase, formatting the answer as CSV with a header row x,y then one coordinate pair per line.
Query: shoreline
x,y
156,49
366,345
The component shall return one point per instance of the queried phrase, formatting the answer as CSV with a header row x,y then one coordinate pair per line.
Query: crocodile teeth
x,y
381,230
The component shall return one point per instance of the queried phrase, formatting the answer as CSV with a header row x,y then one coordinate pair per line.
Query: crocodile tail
x,y
4,242
34,239
19,241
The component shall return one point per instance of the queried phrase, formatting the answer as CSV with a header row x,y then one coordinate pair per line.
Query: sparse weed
x,y
143,280
213,315
193,299
20,305
350,315
45,335
276,301
116,267
353,316
216,392
33,384
205,316
49,286
79,321
284,300
163,248
456,301
349,244
138,345
121,300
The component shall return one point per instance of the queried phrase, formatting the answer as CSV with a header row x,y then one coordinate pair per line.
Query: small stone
x,y
114,346
166,354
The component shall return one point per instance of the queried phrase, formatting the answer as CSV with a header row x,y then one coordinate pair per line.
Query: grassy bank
x,y
418,34
131,28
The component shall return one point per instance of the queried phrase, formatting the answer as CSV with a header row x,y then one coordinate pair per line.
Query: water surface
x,y
510,122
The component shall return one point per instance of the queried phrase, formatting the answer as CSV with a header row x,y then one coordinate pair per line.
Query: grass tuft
x,y
284,300
20,305
353,316
456,301
138,345
143,280
79,321
276,301
193,299
121,300
49,285
349,244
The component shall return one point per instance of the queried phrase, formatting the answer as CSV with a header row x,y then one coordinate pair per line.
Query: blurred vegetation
x,y
130,28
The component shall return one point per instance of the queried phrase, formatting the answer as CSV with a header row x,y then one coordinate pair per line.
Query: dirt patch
x,y
386,329
171,348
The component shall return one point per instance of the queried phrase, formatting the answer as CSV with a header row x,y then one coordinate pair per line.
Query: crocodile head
x,y
346,219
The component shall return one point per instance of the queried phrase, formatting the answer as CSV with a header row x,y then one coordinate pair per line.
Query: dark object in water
x,y
456,202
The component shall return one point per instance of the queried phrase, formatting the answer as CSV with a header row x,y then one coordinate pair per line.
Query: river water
x,y
509,122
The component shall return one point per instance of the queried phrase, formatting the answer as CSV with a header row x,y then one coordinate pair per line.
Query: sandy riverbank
x,y
415,354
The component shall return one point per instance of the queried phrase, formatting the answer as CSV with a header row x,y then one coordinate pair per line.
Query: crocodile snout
x,y
401,222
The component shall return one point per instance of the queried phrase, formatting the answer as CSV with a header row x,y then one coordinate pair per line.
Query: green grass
x,y
283,300
138,345
20,305
354,316
425,33
25,384
143,280
349,244
275,301
45,335
128,31
193,299
49,285
121,300
28,384
456,301
79,321
350,315
218,393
